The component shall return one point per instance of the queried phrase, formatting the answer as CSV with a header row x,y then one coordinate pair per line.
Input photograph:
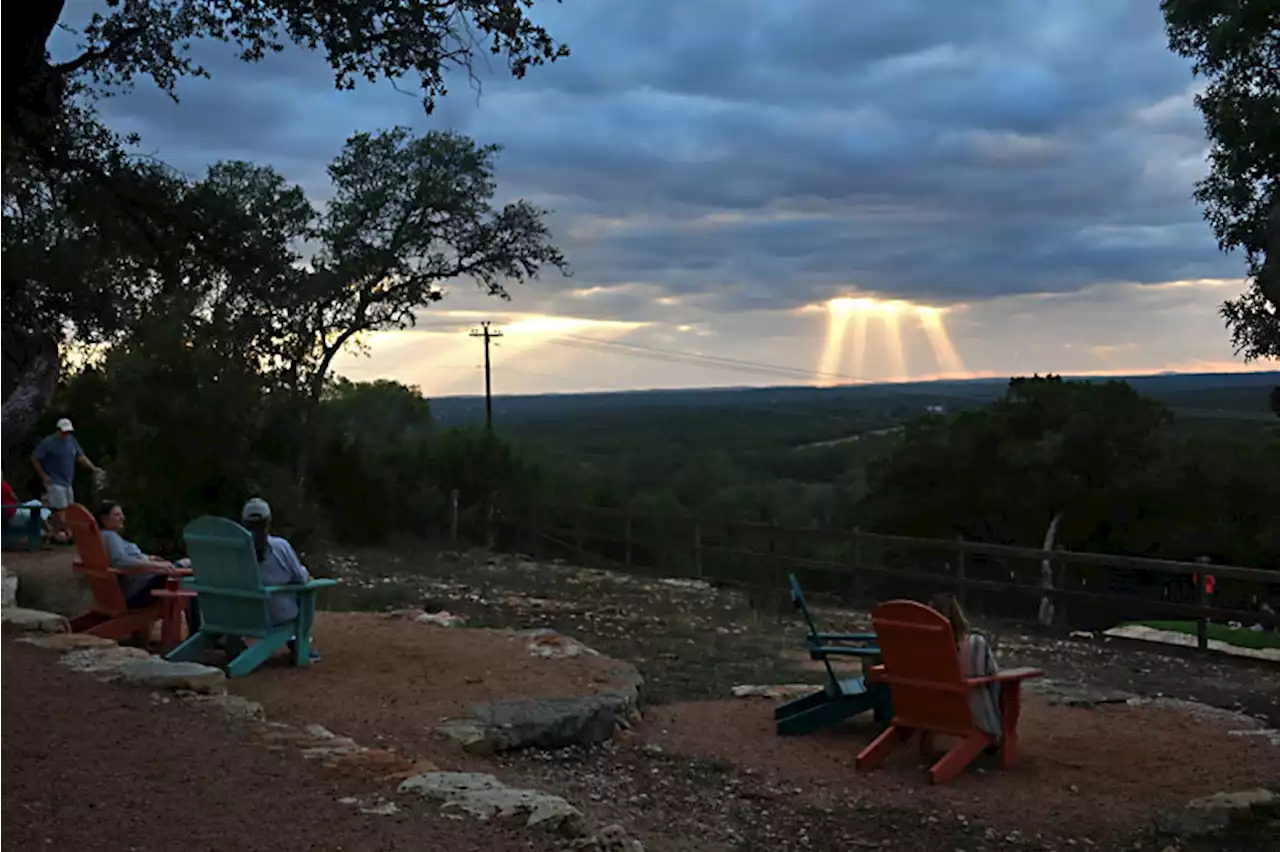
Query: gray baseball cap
x,y
256,509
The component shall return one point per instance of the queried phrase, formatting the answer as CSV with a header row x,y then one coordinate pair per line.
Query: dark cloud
x,y
770,153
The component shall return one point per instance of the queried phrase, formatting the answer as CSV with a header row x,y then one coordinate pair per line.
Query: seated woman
x,y
278,564
976,660
125,554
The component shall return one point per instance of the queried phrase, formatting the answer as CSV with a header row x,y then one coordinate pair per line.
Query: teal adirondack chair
x,y
233,601
841,697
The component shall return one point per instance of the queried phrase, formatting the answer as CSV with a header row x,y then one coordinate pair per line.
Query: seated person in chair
x,y
278,563
976,660
17,515
125,554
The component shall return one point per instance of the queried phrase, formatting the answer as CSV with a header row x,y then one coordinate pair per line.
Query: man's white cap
x,y
64,425
256,509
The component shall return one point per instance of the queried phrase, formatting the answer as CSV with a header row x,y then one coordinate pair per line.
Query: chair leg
x,y
302,629
874,755
257,654
960,756
1010,709
192,649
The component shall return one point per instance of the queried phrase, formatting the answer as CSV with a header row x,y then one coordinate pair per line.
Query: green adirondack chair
x,y
233,600
841,697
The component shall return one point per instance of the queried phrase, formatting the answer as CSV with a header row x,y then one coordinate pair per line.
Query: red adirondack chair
x,y
931,693
110,616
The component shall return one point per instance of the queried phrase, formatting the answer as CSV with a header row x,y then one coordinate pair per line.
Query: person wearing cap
x,y
55,459
278,563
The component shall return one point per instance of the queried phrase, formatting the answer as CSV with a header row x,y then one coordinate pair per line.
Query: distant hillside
x,y
1191,394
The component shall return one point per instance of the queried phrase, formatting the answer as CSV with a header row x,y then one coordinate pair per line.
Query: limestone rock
x,y
33,620
10,585
486,797
104,661
1215,813
162,674
233,706
544,642
776,692
471,735
67,641
611,838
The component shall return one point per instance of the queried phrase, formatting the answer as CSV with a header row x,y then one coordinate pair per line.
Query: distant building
x,y
936,409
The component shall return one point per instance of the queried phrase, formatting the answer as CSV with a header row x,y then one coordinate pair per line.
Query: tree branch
x,y
127,35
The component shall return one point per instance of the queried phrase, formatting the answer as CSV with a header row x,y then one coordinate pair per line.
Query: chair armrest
x,y
319,583
1007,676
842,637
817,652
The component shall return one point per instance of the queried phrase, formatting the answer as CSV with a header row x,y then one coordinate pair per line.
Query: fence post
x,y
775,566
1202,599
626,533
532,536
577,534
1060,610
857,565
453,515
697,547
962,582
490,529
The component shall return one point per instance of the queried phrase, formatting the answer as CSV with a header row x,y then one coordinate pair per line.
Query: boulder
x,y
33,620
10,586
611,838
485,797
162,674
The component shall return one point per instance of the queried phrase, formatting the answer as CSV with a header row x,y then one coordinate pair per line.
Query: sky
x,y
756,192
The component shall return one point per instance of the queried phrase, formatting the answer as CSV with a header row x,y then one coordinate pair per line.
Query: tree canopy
x,y
1235,47
92,232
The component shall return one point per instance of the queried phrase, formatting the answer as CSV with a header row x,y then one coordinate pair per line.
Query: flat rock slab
x,y
33,620
104,662
485,797
1186,640
1213,814
67,641
539,723
1075,694
162,674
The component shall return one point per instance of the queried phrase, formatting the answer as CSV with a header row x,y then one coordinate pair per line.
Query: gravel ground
x,y
101,767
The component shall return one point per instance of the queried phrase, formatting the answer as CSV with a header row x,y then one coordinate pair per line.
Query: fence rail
x,y
1088,590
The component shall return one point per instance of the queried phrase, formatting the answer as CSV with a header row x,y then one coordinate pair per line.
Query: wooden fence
x,y
1086,590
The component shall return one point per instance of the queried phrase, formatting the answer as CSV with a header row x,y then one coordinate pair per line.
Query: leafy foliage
x,y
1002,473
1236,48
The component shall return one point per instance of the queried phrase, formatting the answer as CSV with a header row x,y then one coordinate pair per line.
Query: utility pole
x,y
485,332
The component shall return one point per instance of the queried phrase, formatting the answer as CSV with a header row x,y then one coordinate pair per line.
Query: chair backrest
x,y
922,667
226,573
797,600
94,564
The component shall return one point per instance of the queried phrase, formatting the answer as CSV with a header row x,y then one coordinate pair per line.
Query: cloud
x,y
727,157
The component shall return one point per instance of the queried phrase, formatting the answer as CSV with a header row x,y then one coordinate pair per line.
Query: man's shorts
x,y
59,496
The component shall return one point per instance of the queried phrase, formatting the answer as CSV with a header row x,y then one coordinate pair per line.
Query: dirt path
x,y
99,767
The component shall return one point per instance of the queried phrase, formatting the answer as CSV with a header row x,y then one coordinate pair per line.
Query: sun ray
x,y
893,341
838,313
944,351
859,344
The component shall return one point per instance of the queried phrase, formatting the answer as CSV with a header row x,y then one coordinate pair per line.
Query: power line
x,y
671,356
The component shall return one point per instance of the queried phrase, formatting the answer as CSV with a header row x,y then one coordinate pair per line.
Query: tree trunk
x,y
32,89
32,393
1046,572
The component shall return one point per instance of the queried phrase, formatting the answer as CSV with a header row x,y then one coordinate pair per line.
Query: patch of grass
x,y
1242,638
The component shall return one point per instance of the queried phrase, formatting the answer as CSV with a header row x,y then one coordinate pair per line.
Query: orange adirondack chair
x,y
931,693
110,616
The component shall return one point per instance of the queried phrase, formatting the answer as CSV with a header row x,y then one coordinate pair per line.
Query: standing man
x,y
55,460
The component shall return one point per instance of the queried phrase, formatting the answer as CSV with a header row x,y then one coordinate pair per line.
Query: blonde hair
x,y
950,607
